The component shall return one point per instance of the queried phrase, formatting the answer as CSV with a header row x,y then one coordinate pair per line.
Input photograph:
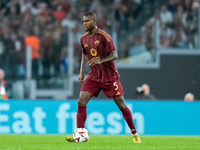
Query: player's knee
x,y
122,107
81,102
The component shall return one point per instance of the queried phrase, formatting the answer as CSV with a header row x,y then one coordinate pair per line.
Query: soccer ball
x,y
81,135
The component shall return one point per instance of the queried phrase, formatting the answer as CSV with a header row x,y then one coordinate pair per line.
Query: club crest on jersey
x,y
93,52
96,42
85,45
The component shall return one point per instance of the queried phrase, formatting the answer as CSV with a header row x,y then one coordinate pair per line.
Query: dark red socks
x,y
129,119
81,116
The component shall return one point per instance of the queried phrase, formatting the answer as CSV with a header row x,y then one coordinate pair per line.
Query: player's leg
x,y
88,89
114,90
81,116
125,112
120,101
84,98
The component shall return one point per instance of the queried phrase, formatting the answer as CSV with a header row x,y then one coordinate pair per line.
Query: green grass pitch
x,y
98,142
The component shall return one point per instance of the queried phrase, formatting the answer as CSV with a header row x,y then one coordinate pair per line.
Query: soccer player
x,y
99,51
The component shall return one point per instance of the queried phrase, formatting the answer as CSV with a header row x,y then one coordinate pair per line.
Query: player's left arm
x,y
110,48
112,56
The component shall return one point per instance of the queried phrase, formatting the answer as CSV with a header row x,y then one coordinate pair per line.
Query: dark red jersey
x,y
97,47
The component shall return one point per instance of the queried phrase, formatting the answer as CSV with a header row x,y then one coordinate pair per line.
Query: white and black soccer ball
x,y
81,135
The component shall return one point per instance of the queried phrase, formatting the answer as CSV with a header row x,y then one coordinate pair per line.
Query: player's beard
x,y
89,29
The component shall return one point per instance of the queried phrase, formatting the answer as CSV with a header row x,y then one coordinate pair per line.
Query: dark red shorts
x,y
111,89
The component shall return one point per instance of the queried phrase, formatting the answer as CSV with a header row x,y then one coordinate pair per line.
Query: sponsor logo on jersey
x,y
93,52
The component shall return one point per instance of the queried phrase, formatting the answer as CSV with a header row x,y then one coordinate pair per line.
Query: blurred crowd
x,y
173,24
44,25
179,24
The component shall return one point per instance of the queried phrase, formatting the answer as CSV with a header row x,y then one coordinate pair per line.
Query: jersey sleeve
x,y
83,49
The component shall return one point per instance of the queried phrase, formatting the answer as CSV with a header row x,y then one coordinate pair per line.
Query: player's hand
x,y
94,61
81,77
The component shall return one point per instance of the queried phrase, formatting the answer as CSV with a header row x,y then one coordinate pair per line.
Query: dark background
x,y
175,76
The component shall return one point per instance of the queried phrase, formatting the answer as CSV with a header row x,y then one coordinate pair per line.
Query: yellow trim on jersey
x,y
105,34
84,34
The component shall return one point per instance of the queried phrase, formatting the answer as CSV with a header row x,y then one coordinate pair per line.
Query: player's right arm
x,y
84,60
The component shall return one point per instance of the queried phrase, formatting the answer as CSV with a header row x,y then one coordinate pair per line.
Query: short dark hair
x,y
91,15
